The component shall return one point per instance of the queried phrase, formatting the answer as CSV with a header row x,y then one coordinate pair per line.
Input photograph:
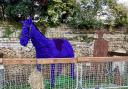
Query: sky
x,y
124,2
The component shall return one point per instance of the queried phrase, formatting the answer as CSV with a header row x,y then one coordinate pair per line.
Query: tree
x,y
120,13
2,2
16,8
57,12
84,16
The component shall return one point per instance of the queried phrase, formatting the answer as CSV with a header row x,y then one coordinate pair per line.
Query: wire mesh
x,y
16,76
28,77
108,75
87,75
1,77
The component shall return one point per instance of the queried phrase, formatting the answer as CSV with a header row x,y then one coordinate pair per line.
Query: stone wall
x,y
11,47
116,40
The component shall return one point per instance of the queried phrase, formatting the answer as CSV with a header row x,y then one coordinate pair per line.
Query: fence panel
x,y
102,75
77,73
27,77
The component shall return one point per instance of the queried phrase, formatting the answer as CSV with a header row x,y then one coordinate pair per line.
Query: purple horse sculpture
x,y
46,48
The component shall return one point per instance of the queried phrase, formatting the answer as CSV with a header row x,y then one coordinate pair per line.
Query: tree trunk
x,y
2,7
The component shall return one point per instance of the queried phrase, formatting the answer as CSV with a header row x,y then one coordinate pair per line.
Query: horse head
x,y
25,36
27,22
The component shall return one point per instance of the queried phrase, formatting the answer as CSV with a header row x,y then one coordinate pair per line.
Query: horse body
x,y
53,50
49,48
46,48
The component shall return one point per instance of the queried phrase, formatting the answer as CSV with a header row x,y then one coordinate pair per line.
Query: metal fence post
x,y
1,74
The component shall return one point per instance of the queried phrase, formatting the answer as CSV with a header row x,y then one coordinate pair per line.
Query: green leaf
x,y
57,0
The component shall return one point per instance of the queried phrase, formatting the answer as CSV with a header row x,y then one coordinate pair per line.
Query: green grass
x,y
62,82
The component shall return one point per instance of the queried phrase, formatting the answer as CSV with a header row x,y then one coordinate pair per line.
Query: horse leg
x,y
59,69
72,74
52,75
38,66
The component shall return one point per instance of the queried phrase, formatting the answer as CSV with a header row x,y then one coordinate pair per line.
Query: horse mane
x,y
37,29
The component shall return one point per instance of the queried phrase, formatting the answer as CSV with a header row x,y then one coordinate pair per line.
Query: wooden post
x,y
100,50
1,56
1,60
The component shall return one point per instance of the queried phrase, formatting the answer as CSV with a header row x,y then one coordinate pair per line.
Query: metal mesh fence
x,y
109,75
87,75
28,77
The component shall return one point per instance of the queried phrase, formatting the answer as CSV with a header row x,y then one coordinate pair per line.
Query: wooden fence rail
x,y
60,60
